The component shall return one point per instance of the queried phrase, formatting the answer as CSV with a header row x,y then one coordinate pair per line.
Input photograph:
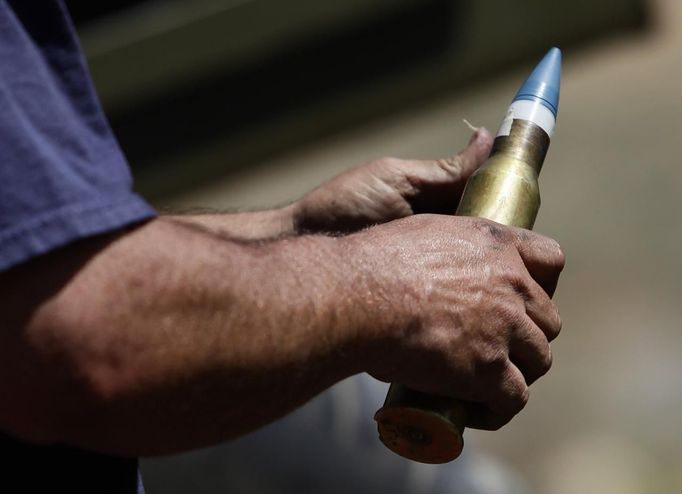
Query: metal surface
x,y
505,189
429,429
421,427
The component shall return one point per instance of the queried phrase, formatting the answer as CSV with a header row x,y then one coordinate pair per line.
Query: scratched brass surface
x,y
505,189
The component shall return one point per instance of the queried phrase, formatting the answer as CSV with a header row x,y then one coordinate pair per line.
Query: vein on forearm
x,y
179,337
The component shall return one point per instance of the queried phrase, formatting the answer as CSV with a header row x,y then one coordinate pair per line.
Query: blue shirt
x,y
63,177
62,173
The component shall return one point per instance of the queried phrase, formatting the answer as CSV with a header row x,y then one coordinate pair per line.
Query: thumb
x,y
463,164
453,171
438,184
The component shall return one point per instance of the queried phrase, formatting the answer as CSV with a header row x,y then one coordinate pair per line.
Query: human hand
x,y
390,188
462,308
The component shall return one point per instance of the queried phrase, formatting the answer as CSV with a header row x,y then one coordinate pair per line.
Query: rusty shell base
x,y
420,427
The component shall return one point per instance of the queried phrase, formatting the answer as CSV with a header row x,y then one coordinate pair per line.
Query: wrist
x,y
378,305
304,285
342,290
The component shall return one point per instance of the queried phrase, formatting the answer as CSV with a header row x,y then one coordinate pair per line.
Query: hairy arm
x,y
180,333
167,338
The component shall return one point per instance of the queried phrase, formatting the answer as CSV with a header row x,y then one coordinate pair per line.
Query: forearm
x,y
248,225
169,338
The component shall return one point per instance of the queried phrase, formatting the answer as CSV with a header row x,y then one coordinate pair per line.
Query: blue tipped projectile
x,y
543,84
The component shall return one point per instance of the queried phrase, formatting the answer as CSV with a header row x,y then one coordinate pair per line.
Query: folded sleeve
x,y
63,176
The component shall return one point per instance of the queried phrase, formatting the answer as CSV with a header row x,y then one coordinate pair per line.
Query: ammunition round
x,y
430,429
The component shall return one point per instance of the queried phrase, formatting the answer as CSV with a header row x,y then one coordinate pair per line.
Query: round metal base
x,y
419,435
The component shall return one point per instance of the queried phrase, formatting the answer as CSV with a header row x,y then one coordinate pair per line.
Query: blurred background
x,y
238,104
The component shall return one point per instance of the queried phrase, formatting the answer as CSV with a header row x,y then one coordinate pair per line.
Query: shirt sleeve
x,y
63,176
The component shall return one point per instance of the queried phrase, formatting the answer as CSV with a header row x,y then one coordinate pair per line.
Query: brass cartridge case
x,y
426,428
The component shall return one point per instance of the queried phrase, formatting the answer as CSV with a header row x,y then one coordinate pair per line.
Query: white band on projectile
x,y
533,111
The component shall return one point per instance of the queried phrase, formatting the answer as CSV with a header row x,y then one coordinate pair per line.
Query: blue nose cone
x,y
544,82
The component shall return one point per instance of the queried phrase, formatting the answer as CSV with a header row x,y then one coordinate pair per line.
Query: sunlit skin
x,y
188,330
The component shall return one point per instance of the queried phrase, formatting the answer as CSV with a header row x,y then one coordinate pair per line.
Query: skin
x,y
186,331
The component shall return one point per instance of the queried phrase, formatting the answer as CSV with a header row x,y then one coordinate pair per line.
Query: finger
x,y
530,352
438,184
509,398
464,163
540,309
456,168
459,167
542,257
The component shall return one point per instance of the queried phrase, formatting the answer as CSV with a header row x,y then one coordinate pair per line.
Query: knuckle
x,y
518,399
499,233
452,165
499,422
559,262
511,315
556,327
557,258
551,320
507,322
491,362
545,361
518,282
389,162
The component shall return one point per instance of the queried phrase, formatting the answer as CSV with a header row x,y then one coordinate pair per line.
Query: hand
x,y
390,188
463,309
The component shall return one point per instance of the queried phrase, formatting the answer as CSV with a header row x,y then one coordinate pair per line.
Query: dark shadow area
x,y
285,83
87,10
321,83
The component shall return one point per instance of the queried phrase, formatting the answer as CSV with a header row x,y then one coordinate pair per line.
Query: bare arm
x,y
171,336
166,338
